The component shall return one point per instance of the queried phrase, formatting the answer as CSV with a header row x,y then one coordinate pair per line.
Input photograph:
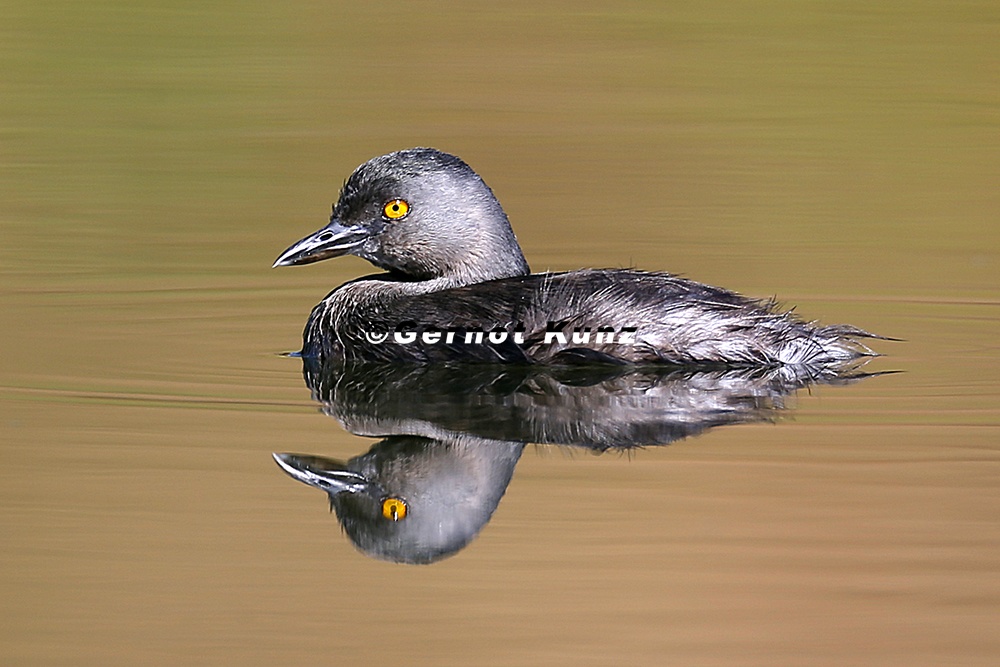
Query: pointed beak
x,y
328,474
333,240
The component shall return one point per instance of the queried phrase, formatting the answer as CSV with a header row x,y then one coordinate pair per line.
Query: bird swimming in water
x,y
457,288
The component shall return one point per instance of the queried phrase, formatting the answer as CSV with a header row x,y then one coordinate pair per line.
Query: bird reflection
x,y
452,435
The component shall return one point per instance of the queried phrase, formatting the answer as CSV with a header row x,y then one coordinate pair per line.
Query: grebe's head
x,y
419,213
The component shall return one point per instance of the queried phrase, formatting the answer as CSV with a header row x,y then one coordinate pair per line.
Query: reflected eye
x,y
394,508
396,209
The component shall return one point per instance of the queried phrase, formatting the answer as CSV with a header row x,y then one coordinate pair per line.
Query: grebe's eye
x,y
394,508
396,209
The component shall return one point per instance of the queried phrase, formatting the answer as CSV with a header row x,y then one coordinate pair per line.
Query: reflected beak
x,y
328,474
333,240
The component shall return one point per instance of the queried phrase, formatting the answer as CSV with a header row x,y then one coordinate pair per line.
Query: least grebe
x,y
456,288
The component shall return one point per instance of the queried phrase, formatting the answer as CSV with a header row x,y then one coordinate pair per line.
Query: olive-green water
x,y
156,157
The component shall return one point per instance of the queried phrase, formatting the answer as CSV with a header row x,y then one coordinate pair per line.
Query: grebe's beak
x,y
328,474
334,240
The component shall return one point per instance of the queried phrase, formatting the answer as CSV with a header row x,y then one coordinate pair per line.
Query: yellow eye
x,y
394,508
396,209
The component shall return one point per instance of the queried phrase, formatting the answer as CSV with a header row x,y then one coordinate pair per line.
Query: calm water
x,y
154,160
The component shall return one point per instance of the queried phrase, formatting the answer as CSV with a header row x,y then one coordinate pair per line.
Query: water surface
x,y
155,160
